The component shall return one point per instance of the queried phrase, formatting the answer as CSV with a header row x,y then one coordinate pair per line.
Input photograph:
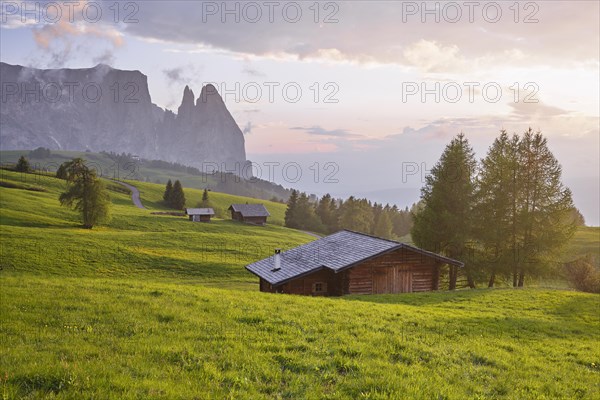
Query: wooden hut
x,y
349,262
199,214
249,213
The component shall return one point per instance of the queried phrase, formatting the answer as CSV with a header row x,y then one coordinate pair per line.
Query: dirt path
x,y
135,194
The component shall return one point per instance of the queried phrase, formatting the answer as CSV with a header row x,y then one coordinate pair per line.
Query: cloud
x,y
524,110
248,128
429,56
70,33
249,70
382,32
317,130
184,74
108,57
175,75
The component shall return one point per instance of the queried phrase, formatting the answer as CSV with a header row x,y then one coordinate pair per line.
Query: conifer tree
x,y
445,223
496,207
290,219
205,200
326,211
356,215
86,193
383,226
167,196
177,196
544,205
524,213
61,172
23,165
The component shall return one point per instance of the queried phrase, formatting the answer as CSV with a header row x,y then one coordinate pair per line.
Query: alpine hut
x,y
249,213
349,262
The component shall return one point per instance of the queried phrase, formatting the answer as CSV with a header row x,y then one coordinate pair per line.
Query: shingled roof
x,y
199,211
336,252
250,210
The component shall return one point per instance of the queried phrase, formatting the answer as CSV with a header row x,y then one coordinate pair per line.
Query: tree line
x,y
328,215
506,216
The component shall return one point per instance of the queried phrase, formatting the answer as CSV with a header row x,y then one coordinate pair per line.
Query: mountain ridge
x,y
107,109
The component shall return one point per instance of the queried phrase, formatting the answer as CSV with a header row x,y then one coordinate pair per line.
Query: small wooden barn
x,y
199,214
249,213
349,262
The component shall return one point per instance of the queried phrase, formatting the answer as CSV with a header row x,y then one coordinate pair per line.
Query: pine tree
x,y
306,216
356,215
23,165
496,203
383,226
86,193
377,211
168,195
290,220
205,200
577,217
525,212
61,172
177,196
445,223
544,205
326,211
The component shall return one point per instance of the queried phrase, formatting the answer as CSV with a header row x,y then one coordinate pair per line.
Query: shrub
x,y
583,275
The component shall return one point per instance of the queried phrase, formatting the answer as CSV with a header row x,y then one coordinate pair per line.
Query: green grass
x,y
41,237
141,172
157,307
106,167
152,197
586,241
101,338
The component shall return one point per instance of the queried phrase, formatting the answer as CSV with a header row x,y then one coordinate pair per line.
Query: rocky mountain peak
x,y
201,132
209,95
186,109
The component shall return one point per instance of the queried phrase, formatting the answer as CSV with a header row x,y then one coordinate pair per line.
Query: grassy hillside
x,y
586,241
145,171
40,236
101,338
152,197
158,307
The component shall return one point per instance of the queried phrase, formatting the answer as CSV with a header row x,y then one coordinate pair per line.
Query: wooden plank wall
x,y
305,285
400,271
255,220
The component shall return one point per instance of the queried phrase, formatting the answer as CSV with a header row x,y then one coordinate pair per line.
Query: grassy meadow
x,y
143,171
107,167
156,307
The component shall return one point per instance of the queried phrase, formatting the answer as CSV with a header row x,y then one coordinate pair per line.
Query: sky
x,y
350,97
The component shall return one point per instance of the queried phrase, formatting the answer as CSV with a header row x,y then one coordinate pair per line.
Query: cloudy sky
x,y
363,95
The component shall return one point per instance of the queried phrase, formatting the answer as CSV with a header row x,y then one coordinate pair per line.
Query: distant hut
x,y
349,262
249,213
200,214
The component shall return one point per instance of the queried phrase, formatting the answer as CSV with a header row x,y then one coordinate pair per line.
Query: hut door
x,y
381,278
402,280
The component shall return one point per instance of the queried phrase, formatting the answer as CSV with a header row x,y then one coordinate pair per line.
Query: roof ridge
x,y
371,236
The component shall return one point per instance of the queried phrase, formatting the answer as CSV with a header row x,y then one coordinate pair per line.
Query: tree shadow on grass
x,y
33,223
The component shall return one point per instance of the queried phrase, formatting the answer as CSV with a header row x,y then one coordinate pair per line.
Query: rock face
x,y
102,108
